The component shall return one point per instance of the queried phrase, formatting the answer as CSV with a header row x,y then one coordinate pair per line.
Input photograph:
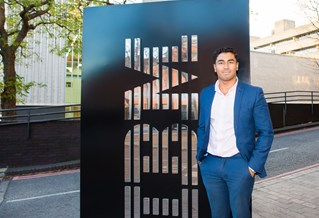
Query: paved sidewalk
x,y
290,195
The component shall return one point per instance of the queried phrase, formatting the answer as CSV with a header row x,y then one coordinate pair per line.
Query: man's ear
x,y
237,65
215,68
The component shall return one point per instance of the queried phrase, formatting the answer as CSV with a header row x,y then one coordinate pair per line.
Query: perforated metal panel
x,y
143,68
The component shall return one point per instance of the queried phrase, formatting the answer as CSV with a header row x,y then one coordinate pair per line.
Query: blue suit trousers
x,y
229,186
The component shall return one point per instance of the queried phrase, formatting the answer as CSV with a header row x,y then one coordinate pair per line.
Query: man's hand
x,y
252,172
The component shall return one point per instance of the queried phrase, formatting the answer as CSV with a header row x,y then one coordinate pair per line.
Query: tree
x,y
310,9
20,18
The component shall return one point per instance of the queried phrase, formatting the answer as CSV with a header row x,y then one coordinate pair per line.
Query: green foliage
x,y
19,19
58,18
22,88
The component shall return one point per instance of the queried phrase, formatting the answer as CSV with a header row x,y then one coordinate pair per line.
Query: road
x,y
53,195
43,196
292,151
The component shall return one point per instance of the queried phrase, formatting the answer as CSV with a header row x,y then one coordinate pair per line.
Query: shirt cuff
x,y
252,170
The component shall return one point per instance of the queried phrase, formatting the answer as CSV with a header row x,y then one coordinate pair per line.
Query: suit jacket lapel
x,y
238,99
209,102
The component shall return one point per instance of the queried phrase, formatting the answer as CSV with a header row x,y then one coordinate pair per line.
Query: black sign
x,y
144,66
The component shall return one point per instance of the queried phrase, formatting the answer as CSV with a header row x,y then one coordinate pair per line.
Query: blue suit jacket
x,y
251,116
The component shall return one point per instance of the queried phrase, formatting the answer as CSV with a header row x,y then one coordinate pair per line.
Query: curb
x,y
287,173
299,127
42,168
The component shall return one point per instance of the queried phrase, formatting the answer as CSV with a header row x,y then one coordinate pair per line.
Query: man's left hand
x,y
252,173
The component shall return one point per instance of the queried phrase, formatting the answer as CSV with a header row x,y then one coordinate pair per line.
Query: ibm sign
x,y
144,66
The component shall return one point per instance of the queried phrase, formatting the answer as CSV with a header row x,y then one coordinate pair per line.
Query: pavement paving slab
x,y
290,195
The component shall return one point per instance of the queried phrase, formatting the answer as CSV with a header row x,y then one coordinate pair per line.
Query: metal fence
x,y
293,109
293,97
296,97
27,115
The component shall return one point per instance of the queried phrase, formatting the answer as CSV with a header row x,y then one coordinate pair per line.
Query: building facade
x,y
288,39
43,67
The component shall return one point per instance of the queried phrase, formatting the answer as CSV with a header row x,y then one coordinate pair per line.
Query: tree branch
x,y
38,14
29,13
31,7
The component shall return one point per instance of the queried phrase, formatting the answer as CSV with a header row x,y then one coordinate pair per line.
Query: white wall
x,y
277,73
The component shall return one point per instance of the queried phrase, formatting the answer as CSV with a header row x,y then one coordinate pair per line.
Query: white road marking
x,y
43,196
280,149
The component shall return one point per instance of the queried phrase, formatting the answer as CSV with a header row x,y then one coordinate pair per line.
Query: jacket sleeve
x,y
265,133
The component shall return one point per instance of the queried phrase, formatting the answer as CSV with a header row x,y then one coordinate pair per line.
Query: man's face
x,y
226,66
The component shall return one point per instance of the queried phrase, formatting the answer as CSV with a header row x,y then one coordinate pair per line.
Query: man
x,y
228,152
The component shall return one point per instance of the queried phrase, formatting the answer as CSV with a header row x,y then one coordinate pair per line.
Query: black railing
x,y
296,97
28,115
302,97
302,107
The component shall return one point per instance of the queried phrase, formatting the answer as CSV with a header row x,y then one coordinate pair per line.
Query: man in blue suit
x,y
234,138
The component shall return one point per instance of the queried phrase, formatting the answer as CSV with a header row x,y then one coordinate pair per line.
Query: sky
x,y
267,12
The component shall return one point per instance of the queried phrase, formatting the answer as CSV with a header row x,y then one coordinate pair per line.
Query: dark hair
x,y
224,50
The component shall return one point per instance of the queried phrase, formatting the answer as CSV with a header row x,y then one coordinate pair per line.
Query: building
x,y
287,60
43,67
288,39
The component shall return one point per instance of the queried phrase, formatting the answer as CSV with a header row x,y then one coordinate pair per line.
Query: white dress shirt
x,y
222,139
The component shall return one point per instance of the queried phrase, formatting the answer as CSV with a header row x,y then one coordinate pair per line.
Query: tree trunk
x,y
8,96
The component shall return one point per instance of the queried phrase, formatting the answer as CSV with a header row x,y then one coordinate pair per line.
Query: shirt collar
x,y
233,88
